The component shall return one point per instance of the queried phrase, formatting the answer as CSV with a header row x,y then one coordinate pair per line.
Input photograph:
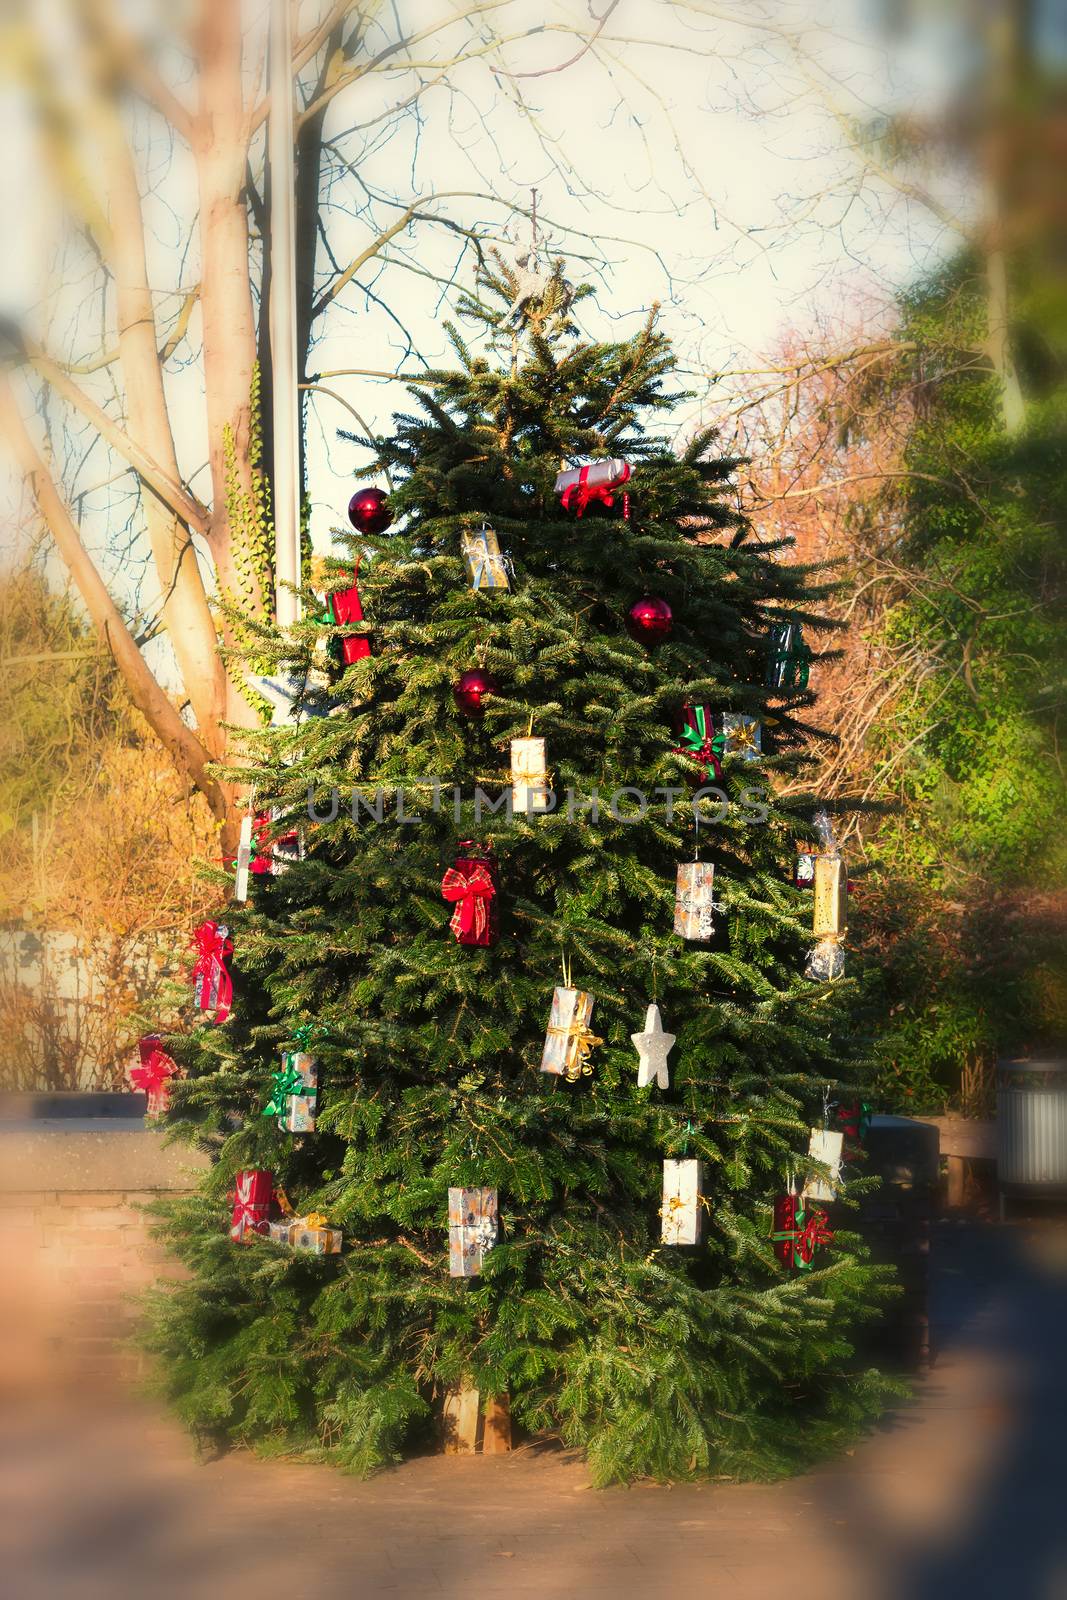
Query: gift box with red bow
x,y
212,984
582,487
798,1231
471,885
153,1075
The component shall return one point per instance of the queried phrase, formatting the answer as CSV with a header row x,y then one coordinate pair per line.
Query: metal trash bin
x,y
1031,1127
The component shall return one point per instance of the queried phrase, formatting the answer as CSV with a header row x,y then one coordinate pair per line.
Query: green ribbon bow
x,y
306,1032
286,1081
705,748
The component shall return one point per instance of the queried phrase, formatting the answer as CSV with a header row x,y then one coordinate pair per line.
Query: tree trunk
x,y
186,750
186,613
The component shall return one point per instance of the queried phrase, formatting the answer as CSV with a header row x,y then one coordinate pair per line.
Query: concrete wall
x,y
75,1249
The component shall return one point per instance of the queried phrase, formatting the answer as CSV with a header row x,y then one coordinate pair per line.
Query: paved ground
x,y
963,1493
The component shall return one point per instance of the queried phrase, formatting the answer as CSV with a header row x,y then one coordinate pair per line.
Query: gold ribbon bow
x,y
584,1039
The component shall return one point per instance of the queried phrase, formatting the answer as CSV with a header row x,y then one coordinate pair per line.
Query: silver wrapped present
x,y
693,904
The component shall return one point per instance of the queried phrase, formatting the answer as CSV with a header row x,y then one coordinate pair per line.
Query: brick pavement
x,y
960,1493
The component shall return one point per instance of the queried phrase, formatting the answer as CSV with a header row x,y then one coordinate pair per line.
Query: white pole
x,y
286,398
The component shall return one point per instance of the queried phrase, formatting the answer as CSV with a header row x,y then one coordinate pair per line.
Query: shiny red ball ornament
x,y
472,688
649,620
368,511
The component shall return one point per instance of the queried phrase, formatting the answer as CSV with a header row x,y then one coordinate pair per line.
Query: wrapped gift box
x,y
789,658
301,1105
569,1038
485,564
693,903
826,1146
682,1210
472,887
473,1227
830,913
304,1233
212,984
153,1075
742,736
804,876
252,1195
346,607
591,485
529,777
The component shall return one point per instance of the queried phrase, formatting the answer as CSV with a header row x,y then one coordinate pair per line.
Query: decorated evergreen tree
x,y
427,1014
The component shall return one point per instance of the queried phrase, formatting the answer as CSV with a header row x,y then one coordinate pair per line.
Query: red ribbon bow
x,y
213,986
583,493
471,887
156,1067
812,1234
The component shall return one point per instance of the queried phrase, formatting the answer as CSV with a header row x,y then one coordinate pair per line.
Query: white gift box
x,y
529,777
826,1146
682,1209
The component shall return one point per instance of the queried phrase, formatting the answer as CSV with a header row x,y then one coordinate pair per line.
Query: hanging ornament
x,y
311,1233
825,1146
294,1092
472,688
473,1228
569,1039
487,568
741,735
826,958
650,620
693,904
346,607
804,872
368,511
581,487
251,1196
243,860
696,726
530,795
853,1117
472,885
789,658
798,1232
653,1046
153,1075
212,984
682,1211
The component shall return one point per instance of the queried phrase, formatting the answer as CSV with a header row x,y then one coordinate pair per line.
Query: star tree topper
x,y
653,1047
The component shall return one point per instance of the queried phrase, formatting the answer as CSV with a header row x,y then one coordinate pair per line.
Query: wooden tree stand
x,y
469,1428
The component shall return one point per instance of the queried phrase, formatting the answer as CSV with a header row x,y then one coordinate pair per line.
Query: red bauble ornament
x,y
368,511
649,620
471,689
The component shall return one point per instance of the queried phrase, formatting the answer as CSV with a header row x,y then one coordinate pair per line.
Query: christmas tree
x,y
427,1015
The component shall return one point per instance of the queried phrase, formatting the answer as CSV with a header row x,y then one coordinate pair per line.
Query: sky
x,y
693,159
